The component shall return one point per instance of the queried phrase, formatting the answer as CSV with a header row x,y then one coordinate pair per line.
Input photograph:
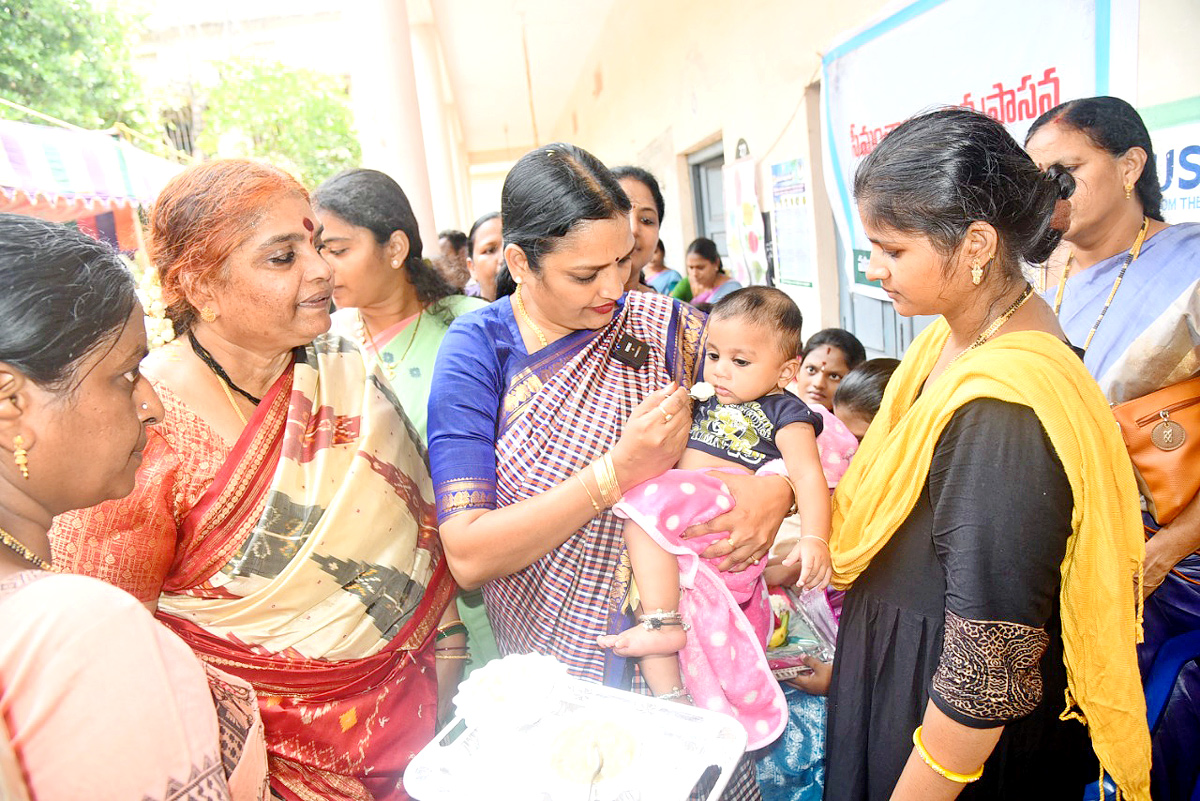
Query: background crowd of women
x,y
259,491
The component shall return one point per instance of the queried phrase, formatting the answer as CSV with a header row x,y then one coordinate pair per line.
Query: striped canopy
x,y
63,174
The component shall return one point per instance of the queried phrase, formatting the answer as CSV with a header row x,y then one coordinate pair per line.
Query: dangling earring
x,y
976,272
1128,191
207,315
21,456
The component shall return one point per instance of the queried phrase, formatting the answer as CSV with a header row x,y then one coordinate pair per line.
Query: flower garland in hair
x,y
159,329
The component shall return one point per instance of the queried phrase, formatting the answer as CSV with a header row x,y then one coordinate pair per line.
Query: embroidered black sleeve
x,y
989,673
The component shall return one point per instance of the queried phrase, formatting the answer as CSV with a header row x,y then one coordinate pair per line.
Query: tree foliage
x,y
70,59
296,119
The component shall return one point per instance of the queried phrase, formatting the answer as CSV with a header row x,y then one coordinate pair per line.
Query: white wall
x,y
666,78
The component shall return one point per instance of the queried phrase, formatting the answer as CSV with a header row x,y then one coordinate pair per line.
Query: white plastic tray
x,y
667,747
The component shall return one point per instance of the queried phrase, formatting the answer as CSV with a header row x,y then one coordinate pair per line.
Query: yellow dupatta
x,y
1100,605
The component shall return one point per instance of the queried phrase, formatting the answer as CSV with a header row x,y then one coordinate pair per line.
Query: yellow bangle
x,y
606,480
960,778
591,497
795,497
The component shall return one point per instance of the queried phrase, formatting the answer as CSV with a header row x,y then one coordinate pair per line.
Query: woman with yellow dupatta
x,y
986,528
283,521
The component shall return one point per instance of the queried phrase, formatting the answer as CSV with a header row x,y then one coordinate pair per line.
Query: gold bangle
x,y
795,496
591,497
451,656
606,480
960,778
600,473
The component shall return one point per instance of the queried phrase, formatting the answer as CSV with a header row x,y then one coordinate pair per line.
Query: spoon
x,y
599,756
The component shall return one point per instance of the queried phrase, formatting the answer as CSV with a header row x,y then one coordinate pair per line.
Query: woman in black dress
x,y
993,568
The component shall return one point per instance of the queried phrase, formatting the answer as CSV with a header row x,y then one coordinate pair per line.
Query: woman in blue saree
x,y
1128,294
545,399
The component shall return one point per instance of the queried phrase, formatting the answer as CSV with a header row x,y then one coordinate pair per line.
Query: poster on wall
x,y
744,232
792,223
1175,136
895,67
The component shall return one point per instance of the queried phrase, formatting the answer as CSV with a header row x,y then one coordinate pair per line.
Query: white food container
x,y
652,750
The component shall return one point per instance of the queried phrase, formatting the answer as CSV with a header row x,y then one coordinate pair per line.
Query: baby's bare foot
x,y
639,641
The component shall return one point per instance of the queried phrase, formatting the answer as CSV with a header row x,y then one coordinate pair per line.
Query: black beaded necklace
x,y
208,359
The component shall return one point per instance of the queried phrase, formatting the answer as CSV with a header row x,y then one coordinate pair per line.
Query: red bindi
x,y
308,225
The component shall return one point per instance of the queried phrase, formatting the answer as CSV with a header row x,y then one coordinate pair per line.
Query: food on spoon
x,y
702,391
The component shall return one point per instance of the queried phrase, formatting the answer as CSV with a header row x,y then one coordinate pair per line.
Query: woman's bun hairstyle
x,y
939,172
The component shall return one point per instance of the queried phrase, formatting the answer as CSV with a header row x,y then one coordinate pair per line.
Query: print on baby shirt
x,y
745,432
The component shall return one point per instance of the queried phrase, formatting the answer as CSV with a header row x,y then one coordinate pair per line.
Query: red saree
x,y
309,565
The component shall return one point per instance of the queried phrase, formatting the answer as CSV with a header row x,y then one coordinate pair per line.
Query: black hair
x,y
372,200
939,172
458,240
706,249
505,283
768,307
838,338
549,192
491,215
660,247
1113,126
861,389
62,296
646,179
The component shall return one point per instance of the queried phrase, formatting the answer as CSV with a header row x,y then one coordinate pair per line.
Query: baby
x,y
747,424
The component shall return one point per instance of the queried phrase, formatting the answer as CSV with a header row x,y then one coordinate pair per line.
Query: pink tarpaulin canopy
x,y
65,174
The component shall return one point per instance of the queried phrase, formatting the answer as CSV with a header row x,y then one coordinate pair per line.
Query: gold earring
x,y
21,456
976,272
207,315
1128,191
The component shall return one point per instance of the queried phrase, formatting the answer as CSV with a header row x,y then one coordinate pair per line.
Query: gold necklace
x,y
995,326
20,549
1134,251
389,368
521,308
232,401
1062,285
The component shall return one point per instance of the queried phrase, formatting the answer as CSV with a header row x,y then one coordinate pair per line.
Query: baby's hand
x,y
816,568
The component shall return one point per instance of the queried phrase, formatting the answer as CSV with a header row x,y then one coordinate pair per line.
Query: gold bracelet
x,y
451,656
603,483
591,497
598,473
795,496
960,778
610,490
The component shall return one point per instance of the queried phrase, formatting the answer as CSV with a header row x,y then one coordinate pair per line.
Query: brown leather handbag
x,y
1162,432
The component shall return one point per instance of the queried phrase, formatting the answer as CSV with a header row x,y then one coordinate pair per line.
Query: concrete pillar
x,y
440,139
383,90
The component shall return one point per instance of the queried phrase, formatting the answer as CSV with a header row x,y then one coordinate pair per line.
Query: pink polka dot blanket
x,y
724,663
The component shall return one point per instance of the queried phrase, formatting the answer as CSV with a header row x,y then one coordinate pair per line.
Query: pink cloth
x,y
724,663
100,700
835,445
